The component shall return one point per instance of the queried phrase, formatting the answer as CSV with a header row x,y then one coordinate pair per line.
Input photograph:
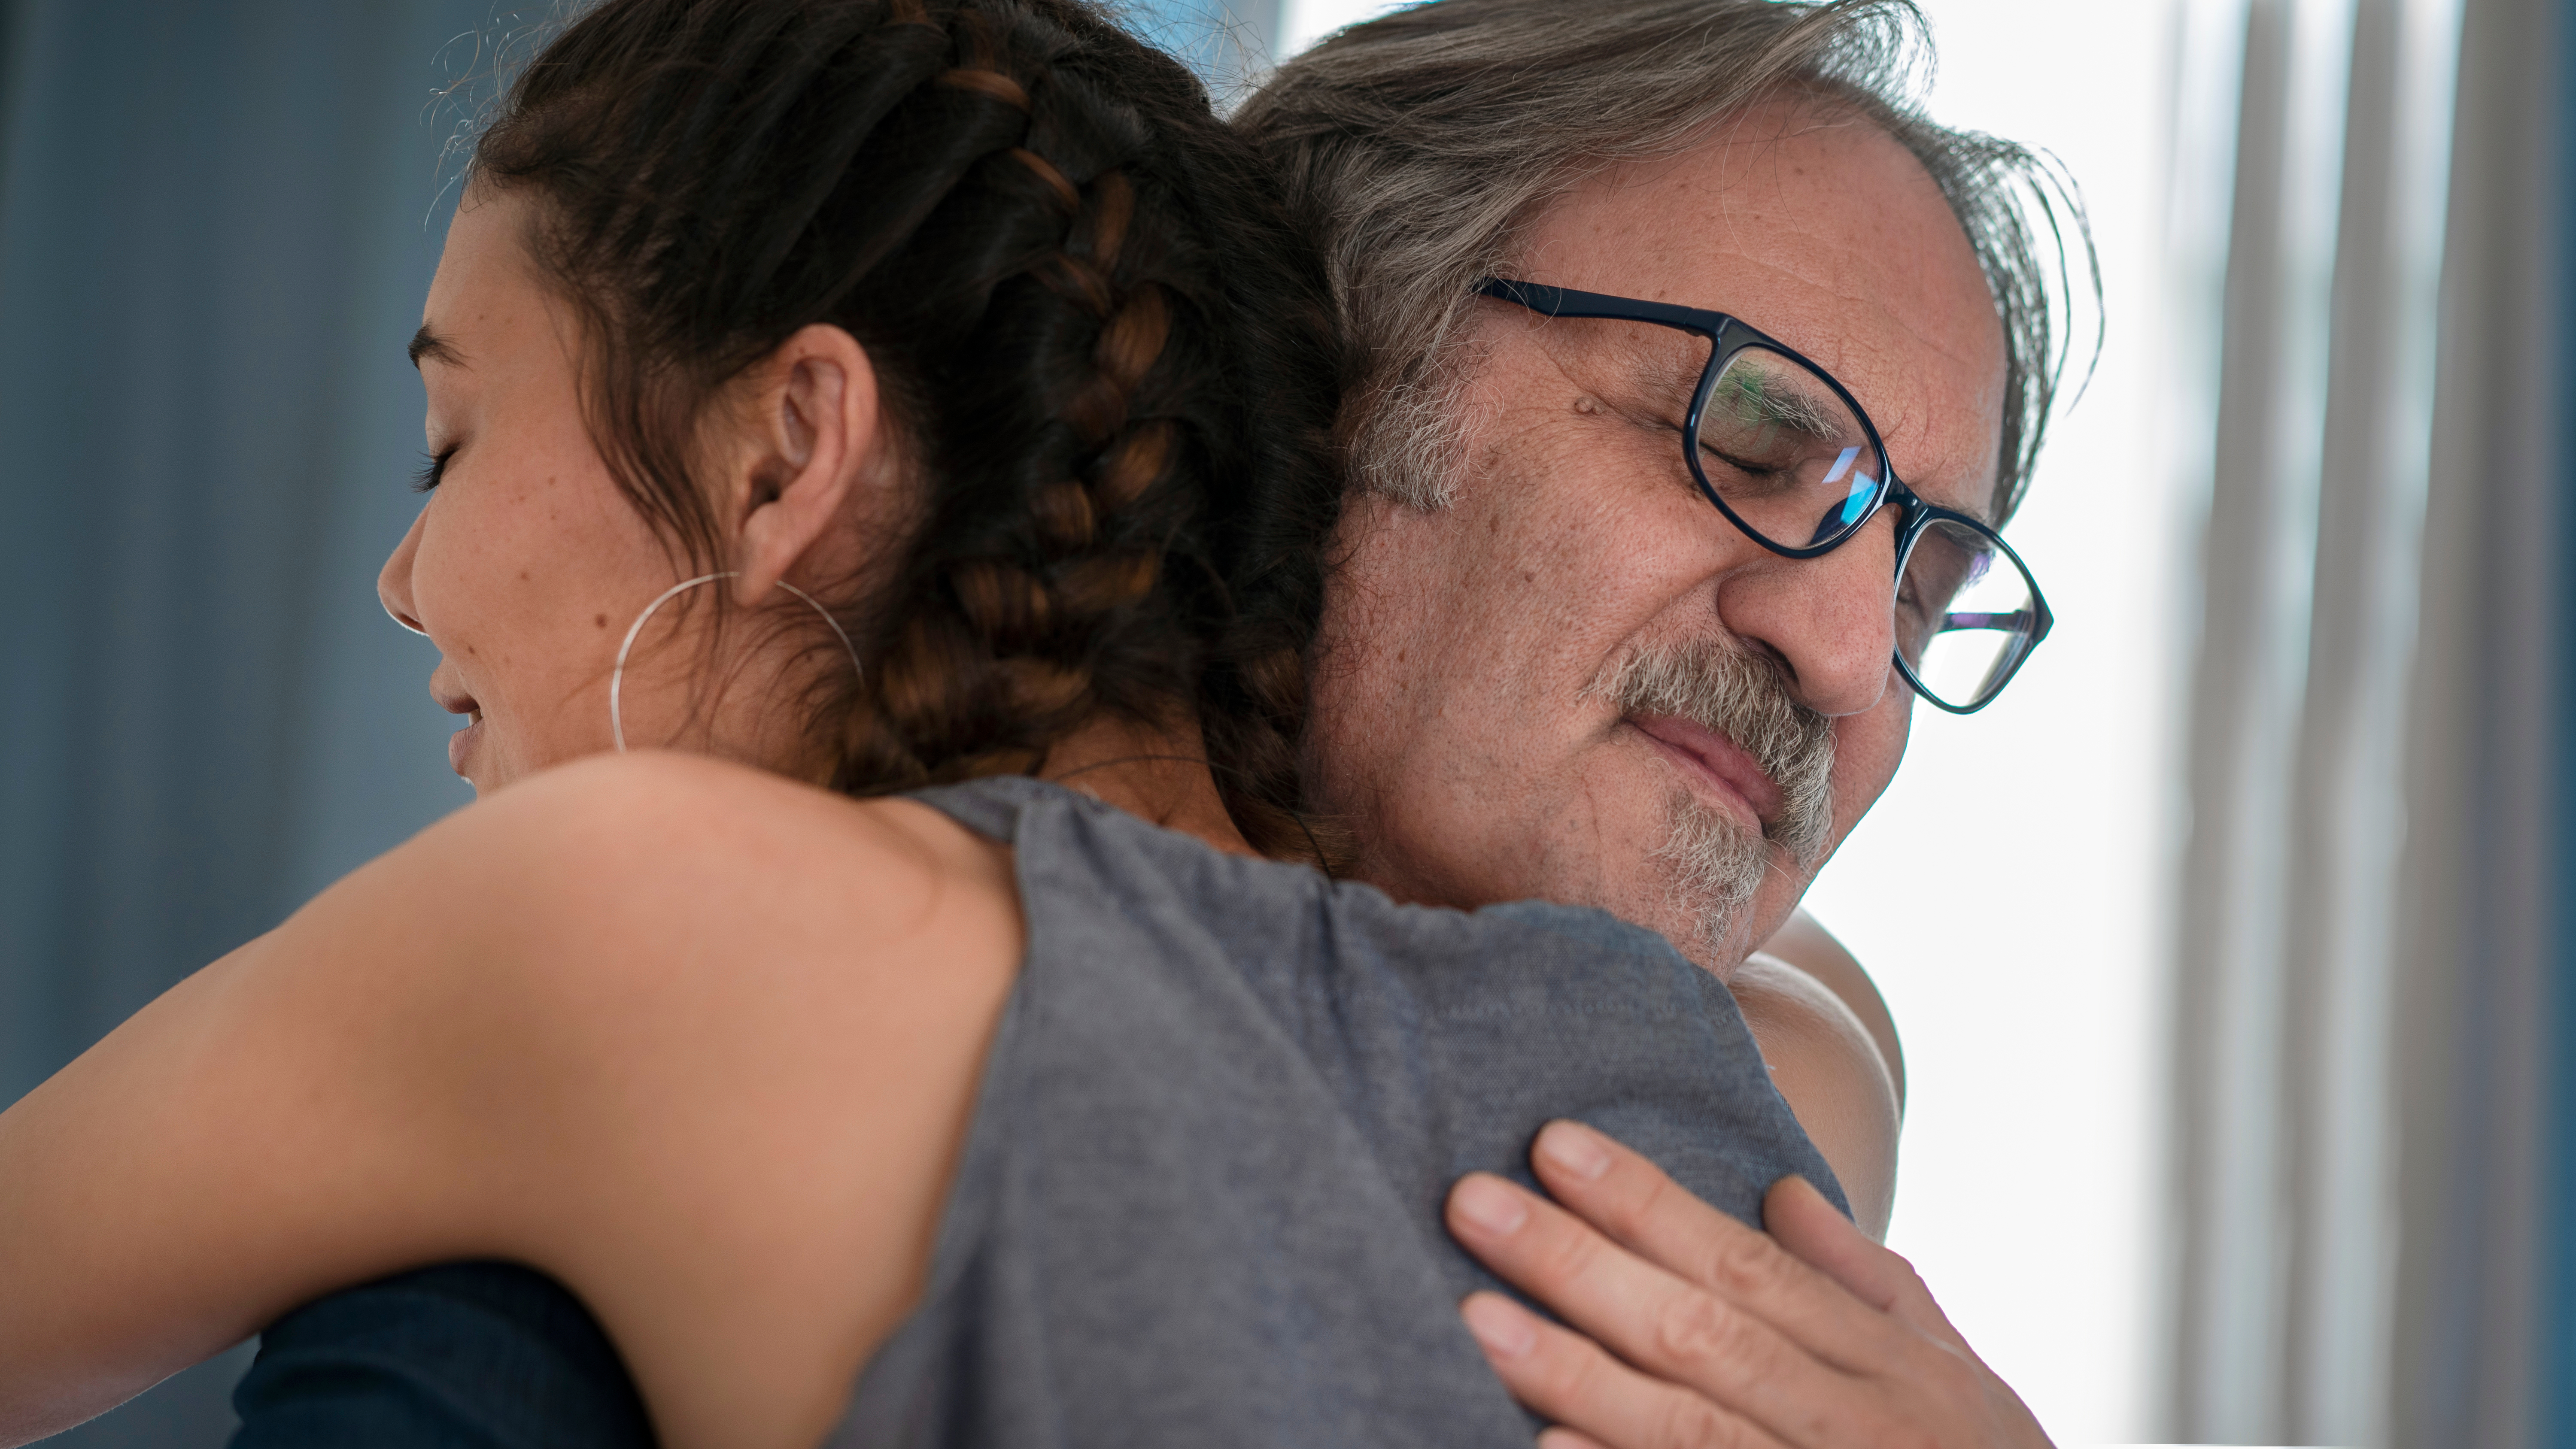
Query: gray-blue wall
x,y
217,220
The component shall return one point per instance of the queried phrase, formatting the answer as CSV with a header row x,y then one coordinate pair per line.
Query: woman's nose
x,y
393,582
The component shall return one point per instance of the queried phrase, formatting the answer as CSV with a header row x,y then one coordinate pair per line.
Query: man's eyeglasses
x,y
1786,453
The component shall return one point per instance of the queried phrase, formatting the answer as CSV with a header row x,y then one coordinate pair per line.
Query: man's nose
x,y
393,581
1831,620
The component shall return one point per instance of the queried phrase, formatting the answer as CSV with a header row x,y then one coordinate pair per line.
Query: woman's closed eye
x,y
433,470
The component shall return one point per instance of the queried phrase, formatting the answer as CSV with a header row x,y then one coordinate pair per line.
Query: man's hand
x,y
1690,1329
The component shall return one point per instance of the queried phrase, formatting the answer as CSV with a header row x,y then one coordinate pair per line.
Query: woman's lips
x,y
1717,762
460,745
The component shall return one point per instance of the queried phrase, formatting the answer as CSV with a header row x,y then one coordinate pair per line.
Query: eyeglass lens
x,y
1786,454
1965,614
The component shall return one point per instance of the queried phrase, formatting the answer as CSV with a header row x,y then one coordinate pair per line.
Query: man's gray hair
x,y
1417,146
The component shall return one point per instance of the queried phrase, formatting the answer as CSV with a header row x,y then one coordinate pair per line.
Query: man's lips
x,y
1718,760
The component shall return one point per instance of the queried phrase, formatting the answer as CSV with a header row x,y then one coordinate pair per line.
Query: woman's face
x,y
527,565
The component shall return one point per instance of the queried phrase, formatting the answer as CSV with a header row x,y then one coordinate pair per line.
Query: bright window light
x,y
2009,891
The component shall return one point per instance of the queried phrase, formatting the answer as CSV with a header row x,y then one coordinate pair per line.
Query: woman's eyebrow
x,y
426,343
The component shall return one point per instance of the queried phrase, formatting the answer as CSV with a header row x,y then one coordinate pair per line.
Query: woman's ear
x,y
816,440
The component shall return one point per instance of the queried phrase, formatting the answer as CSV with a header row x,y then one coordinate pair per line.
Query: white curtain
x,y
2479,941
2363,917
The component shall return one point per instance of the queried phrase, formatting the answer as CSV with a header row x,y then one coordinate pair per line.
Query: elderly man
x,y
1630,607
1617,617
1658,303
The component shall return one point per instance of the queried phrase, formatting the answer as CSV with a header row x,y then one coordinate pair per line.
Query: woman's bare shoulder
x,y
595,895
657,905
772,1003
1831,1073
618,846
1805,943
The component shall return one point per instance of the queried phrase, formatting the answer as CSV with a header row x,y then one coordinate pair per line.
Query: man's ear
x,y
816,440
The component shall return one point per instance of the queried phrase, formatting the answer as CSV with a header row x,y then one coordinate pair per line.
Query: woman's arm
x,y
698,1042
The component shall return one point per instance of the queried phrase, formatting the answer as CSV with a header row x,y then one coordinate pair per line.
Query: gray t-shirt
x,y
1200,1203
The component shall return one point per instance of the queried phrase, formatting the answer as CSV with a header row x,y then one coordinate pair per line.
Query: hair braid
x,y
1106,354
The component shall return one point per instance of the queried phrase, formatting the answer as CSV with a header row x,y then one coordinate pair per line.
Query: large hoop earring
x,y
617,676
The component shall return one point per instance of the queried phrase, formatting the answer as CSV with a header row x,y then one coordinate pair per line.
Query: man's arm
x,y
1685,1328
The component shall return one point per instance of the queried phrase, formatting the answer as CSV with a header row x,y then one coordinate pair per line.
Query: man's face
x,y
1468,723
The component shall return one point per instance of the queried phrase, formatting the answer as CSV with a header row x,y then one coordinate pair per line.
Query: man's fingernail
x,y
1503,1329
1574,1147
1491,1206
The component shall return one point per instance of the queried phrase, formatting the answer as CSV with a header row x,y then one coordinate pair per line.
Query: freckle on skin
x,y
601,620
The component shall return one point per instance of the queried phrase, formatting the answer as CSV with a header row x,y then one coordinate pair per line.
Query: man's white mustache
x,y
1742,696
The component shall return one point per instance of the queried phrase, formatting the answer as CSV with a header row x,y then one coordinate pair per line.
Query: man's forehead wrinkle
x,y
1933,343
1964,485
1761,132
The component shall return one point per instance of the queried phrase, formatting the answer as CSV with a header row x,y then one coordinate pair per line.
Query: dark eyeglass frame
x,y
1728,336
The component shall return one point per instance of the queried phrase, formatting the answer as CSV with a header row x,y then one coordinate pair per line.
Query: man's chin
x,y
1713,870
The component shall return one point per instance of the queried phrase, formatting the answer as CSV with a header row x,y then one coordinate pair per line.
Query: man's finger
x,y
1630,1199
1806,1223
1599,1402
1671,1329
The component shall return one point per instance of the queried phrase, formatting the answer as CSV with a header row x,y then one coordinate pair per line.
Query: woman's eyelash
x,y
433,468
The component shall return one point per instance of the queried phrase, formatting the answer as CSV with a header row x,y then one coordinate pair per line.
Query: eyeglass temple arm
x,y
1567,302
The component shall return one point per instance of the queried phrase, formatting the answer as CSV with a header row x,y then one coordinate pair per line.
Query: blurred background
x,y
2225,947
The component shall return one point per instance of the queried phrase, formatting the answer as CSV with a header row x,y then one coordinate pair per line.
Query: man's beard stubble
x,y
1717,865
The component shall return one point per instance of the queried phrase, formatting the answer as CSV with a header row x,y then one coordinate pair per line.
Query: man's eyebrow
x,y
1759,396
426,343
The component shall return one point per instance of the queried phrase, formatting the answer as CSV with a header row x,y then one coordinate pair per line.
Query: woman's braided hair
x,y
1108,357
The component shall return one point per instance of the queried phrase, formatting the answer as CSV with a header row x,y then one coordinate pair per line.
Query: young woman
x,y
846,397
